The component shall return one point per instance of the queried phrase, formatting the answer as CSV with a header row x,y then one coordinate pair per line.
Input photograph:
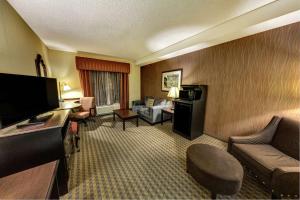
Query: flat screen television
x,y
24,97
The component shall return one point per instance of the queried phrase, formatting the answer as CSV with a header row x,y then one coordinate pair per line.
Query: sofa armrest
x,y
155,111
285,182
263,137
137,103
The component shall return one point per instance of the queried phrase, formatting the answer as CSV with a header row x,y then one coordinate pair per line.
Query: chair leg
x,y
92,119
85,123
77,138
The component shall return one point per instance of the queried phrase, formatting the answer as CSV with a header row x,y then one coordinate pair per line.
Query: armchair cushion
x,y
265,158
80,115
285,181
87,103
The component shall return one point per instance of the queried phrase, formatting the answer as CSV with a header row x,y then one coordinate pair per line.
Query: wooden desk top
x,y
57,120
34,183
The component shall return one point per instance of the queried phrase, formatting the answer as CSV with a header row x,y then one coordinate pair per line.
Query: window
x,y
106,87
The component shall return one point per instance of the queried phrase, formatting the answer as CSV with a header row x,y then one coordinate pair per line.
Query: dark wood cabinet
x,y
22,149
189,116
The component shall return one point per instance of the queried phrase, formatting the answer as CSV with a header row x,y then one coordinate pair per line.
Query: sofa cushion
x,y
149,102
159,102
146,98
264,157
79,115
286,137
144,111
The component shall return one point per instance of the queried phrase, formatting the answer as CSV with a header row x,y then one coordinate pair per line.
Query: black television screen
x,y
23,97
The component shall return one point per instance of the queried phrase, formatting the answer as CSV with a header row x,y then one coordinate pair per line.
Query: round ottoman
x,y
215,169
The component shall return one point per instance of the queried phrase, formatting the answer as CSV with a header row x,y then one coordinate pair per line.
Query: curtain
x,y
86,66
85,83
105,87
124,92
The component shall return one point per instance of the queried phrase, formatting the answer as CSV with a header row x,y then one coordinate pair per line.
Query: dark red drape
x,y
124,92
85,83
101,65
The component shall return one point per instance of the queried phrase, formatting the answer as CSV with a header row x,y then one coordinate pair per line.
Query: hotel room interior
x,y
149,99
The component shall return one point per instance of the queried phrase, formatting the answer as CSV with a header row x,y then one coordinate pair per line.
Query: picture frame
x,y
172,78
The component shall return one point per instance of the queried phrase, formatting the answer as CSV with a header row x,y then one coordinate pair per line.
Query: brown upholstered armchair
x,y
272,155
86,111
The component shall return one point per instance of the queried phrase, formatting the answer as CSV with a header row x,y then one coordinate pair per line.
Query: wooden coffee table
x,y
125,114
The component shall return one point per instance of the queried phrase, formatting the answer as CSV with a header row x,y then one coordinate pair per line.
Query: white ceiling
x,y
144,30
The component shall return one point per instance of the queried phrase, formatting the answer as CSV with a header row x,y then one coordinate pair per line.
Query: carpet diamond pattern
x,y
145,162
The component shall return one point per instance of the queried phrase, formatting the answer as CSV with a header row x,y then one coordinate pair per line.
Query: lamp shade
x,y
66,87
174,92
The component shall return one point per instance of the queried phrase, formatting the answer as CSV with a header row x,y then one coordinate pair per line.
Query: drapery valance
x,y
83,63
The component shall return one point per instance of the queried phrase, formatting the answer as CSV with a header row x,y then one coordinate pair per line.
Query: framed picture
x,y
171,79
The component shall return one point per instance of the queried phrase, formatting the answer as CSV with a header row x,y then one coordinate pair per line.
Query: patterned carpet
x,y
145,162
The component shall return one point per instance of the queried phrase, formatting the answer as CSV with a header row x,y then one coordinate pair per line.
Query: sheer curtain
x,y
105,87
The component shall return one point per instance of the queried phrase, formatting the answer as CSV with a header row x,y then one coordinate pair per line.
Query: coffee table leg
x,y
137,122
123,125
161,117
114,118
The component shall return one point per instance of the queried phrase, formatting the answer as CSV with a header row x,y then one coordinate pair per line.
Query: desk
x,y
35,183
68,105
32,148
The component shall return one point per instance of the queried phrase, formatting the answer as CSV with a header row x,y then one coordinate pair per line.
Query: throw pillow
x,y
149,102
169,104
163,103
157,101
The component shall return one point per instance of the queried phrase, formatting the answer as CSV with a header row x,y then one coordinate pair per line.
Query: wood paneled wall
x,y
249,80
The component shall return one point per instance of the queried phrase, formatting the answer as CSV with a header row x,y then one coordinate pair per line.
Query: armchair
x,y
272,155
86,110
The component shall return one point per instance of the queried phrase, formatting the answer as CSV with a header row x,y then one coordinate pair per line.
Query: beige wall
x,y
64,69
18,43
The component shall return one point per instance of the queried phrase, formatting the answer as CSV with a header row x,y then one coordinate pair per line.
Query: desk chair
x,y
86,111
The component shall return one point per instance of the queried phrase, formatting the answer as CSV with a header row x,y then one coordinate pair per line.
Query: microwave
x,y
190,93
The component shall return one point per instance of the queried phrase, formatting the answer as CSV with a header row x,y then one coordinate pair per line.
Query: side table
x,y
168,111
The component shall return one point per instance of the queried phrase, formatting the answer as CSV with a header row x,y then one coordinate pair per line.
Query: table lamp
x,y
63,87
173,93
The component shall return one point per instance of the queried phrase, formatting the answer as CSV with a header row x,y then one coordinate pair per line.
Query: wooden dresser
x,y
33,158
